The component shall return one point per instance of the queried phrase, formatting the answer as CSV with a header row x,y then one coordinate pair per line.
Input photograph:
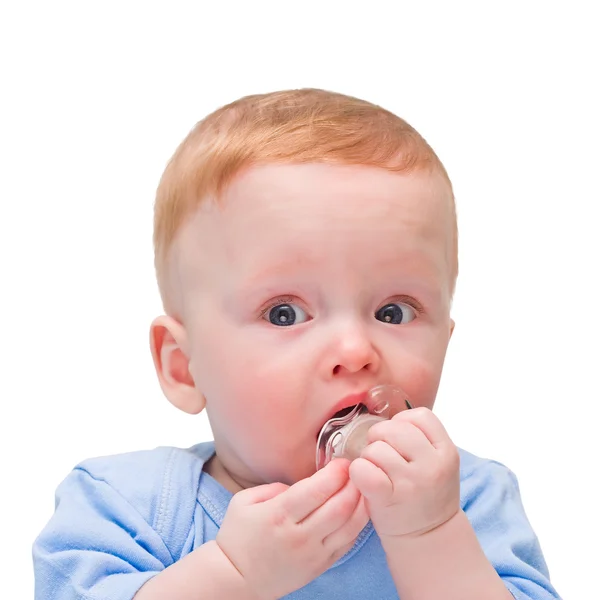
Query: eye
x,y
396,313
285,314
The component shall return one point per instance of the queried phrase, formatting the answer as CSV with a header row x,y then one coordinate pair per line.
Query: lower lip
x,y
349,402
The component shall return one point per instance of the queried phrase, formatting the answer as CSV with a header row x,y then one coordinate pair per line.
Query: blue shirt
x,y
122,519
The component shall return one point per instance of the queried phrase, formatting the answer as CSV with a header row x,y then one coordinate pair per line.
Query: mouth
x,y
344,407
345,411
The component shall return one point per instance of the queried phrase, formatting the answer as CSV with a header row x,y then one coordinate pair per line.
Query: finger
x,y
386,458
334,513
305,496
343,539
260,493
370,480
428,423
406,438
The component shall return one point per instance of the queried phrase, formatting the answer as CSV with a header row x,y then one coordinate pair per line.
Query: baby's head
x,y
306,251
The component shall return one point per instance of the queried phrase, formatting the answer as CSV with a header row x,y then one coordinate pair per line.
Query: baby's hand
x,y
280,538
409,474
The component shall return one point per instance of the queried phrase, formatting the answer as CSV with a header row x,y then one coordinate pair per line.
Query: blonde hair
x,y
293,126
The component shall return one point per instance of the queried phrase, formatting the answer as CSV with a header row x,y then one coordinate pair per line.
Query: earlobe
x,y
170,353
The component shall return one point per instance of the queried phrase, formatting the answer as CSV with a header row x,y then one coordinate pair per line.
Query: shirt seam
x,y
161,518
129,504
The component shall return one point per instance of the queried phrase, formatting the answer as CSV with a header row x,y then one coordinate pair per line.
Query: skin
x,y
333,245
338,242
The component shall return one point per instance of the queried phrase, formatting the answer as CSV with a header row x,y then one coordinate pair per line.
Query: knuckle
x,y
450,459
453,457
238,499
321,493
298,540
420,414
236,505
319,496
278,518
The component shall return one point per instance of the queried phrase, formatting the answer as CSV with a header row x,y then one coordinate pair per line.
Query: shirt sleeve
x,y
96,546
492,503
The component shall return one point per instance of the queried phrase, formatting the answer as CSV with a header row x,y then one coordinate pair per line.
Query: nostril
x,y
336,370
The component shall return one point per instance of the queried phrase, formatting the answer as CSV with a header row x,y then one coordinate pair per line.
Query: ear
x,y
452,326
170,353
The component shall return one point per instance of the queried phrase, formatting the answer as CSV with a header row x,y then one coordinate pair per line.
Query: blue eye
x,y
395,313
284,315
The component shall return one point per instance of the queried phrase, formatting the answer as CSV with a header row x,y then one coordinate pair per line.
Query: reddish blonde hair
x,y
293,126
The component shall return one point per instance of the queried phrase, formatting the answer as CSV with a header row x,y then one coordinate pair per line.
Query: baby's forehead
x,y
327,195
319,215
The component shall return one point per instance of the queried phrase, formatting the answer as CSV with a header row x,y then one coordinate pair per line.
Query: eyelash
x,y
407,300
290,299
277,302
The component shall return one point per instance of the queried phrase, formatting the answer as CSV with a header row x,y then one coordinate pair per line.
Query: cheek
x,y
419,372
247,381
421,382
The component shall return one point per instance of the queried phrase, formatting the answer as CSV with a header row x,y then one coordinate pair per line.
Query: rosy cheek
x,y
253,398
420,381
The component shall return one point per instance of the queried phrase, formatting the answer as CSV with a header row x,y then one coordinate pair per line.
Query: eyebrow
x,y
291,263
406,280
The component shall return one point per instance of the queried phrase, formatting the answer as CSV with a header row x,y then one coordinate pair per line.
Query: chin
x,y
292,474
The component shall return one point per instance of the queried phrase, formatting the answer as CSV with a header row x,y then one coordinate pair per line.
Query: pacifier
x,y
346,436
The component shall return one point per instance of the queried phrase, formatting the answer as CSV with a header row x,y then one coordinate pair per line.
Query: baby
x,y
306,252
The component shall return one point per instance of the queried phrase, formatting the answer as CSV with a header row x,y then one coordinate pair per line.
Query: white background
x,y
96,96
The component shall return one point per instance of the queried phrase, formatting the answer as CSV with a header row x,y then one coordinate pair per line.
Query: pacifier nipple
x,y
346,436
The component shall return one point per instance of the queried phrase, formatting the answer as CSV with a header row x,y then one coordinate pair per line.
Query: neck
x,y
216,469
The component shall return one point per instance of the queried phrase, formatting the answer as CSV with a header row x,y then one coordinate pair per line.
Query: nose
x,y
352,352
